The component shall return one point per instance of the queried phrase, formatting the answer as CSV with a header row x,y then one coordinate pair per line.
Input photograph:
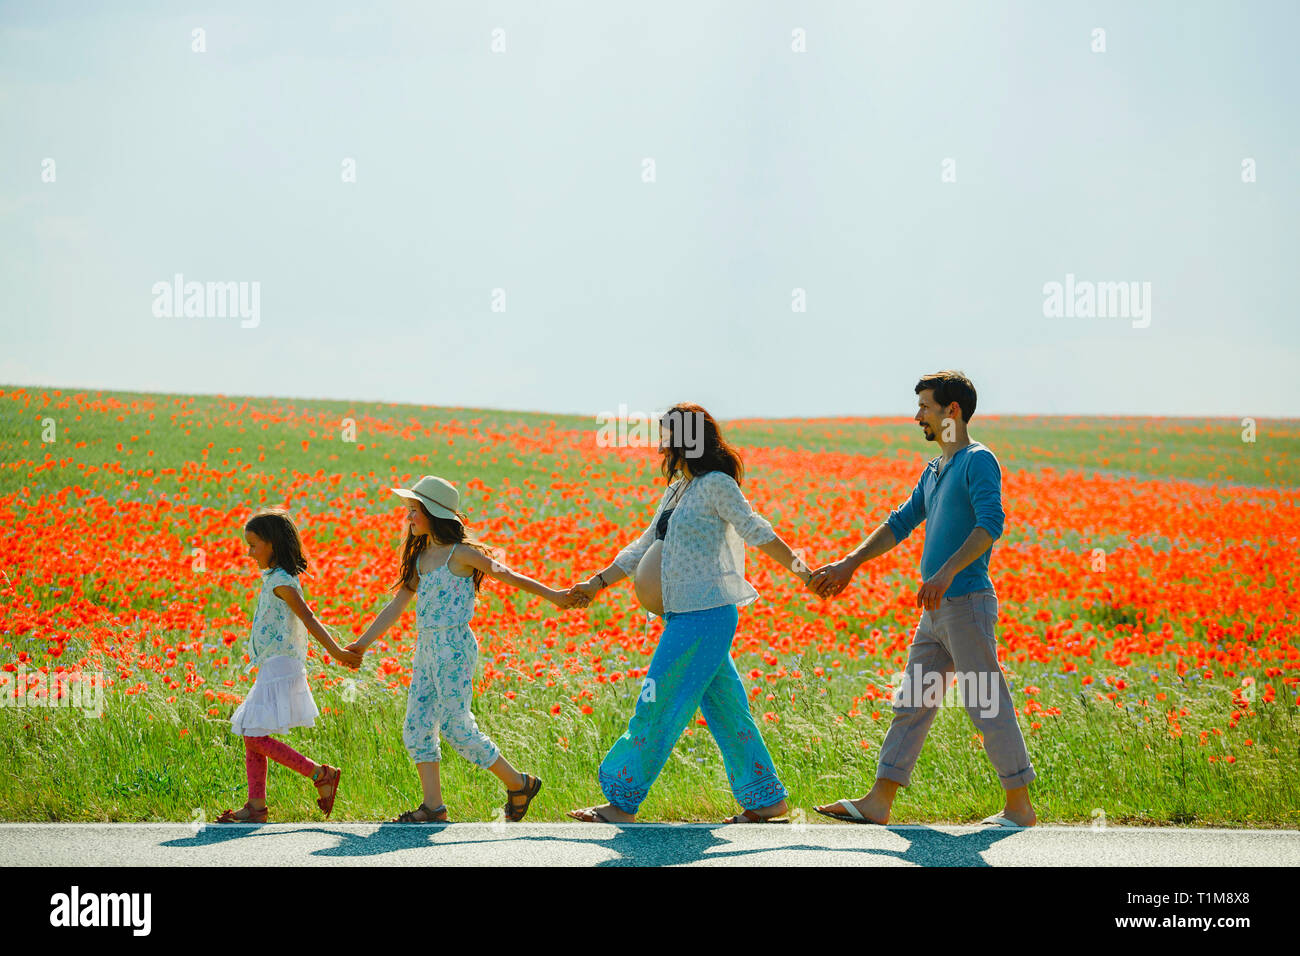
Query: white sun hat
x,y
437,494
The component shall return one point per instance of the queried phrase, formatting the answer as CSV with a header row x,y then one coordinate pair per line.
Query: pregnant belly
x,y
648,583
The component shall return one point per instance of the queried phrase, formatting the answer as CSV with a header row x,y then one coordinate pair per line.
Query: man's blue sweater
x,y
967,495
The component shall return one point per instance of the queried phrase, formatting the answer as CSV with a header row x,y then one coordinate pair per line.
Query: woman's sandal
x,y
254,816
430,815
327,803
532,786
750,816
590,815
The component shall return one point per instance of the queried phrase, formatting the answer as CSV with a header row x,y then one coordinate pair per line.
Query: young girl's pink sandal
x,y
329,775
254,816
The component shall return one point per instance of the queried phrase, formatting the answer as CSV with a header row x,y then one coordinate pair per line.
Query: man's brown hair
x,y
948,387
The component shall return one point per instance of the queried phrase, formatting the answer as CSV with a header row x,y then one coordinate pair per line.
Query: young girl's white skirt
x,y
279,699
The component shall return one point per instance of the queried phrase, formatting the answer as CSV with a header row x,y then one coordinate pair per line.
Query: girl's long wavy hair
x,y
443,531
274,526
692,431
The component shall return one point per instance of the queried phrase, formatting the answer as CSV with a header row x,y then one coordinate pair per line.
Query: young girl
x,y
442,565
280,698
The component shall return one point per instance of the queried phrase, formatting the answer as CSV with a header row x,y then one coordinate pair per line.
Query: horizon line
x,y
4,387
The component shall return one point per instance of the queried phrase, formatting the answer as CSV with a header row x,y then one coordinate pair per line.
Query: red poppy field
x,y
1146,578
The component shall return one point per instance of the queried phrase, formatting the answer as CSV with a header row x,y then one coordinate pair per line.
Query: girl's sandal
x,y
329,775
254,816
430,814
532,786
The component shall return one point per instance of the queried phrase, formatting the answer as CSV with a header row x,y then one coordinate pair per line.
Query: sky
x,y
772,209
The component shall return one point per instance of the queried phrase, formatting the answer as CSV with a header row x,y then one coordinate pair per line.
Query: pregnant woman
x,y
689,567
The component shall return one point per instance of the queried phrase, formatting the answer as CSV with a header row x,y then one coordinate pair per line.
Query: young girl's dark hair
x,y
698,443
274,525
443,531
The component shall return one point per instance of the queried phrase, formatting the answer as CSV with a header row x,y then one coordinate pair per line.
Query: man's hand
x,y
830,579
932,591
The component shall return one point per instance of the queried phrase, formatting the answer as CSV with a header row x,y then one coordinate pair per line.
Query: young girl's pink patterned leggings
x,y
257,749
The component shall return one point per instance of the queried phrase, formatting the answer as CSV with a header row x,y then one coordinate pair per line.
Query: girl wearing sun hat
x,y
442,566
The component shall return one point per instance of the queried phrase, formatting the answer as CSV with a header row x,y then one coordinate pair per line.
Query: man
x,y
959,496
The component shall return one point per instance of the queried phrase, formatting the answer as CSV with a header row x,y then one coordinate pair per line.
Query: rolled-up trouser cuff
x,y
1021,779
900,777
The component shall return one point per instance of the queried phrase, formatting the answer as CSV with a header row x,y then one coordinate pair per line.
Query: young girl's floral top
x,y
444,599
703,560
277,631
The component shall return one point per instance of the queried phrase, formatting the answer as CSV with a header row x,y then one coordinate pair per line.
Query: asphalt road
x,y
645,844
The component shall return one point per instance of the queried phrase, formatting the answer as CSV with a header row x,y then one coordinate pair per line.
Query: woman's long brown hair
x,y
444,531
715,455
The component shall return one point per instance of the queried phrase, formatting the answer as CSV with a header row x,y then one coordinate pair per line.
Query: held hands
x,y
579,595
348,657
830,579
337,652
582,594
568,598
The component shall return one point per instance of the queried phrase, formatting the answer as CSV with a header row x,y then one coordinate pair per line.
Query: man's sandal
x,y
1001,820
851,813
532,786
329,775
430,814
254,816
750,816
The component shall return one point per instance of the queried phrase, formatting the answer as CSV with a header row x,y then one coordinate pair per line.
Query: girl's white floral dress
x,y
280,698
442,675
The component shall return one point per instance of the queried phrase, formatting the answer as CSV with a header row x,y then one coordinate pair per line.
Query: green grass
x,y
1091,758
133,764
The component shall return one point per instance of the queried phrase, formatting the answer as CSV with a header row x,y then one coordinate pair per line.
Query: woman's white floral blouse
x,y
703,561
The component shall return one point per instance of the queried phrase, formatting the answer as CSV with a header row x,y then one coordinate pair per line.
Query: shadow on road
x,y
692,843
633,845
215,834
630,844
